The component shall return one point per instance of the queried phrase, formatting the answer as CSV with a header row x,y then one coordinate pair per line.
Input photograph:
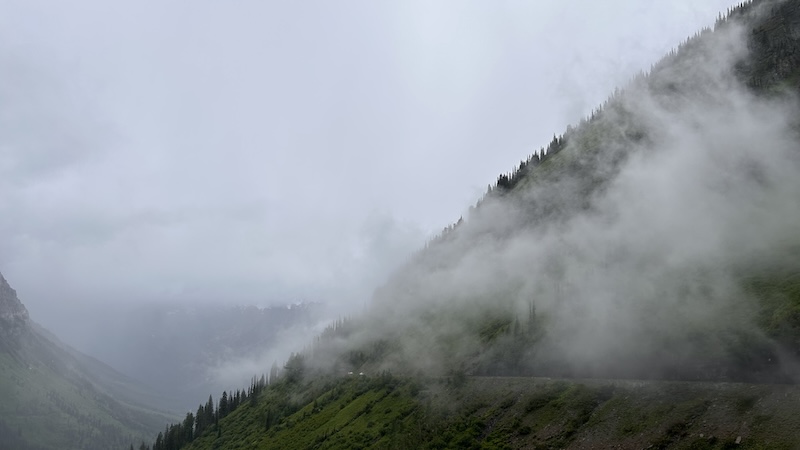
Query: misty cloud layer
x,y
650,274
260,153
254,153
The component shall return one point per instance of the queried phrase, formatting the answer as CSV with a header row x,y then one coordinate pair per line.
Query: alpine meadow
x,y
634,283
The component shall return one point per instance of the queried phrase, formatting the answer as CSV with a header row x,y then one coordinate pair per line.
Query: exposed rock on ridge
x,y
13,314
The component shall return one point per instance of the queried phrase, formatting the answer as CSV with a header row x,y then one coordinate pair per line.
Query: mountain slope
x,y
634,235
502,413
657,240
55,398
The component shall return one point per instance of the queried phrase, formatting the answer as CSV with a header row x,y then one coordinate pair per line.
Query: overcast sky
x,y
258,152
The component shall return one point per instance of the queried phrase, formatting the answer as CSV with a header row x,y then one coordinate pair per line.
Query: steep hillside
x,y
651,241
56,398
505,413
657,240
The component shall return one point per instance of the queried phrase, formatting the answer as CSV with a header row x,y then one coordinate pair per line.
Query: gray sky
x,y
253,152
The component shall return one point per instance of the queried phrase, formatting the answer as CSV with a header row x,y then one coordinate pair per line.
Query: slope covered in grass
x,y
506,413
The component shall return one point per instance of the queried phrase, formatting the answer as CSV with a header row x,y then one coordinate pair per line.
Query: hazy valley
x,y
185,352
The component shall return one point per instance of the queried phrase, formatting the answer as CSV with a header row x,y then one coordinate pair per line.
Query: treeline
x,y
778,59
208,415
507,182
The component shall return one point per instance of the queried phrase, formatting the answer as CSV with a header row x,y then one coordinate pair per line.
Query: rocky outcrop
x,y
13,314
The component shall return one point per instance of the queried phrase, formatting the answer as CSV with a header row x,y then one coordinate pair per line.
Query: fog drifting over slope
x,y
650,274
253,153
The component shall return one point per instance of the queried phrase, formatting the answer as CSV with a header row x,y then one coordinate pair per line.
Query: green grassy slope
x,y
505,413
779,296
324,413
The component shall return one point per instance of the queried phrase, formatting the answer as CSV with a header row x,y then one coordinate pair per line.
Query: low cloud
x,y
632,243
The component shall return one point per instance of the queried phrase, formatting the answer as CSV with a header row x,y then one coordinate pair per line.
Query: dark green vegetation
x,y
779,295
657,240
356,412
56,398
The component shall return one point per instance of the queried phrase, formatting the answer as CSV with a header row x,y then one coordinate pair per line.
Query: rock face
x,y
13,315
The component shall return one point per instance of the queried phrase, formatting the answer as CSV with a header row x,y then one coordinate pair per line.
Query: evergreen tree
x,y
200,421
273,373
295,368
188,427
223,404
531,317
210,415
